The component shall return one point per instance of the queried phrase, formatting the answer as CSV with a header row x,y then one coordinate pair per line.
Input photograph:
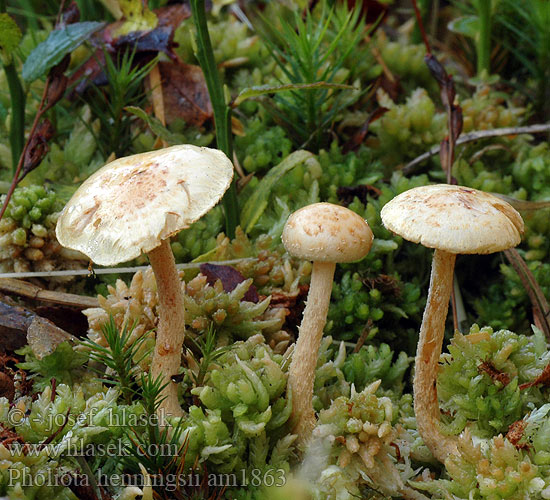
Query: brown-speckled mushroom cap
x,y
454,218
131,204
324,232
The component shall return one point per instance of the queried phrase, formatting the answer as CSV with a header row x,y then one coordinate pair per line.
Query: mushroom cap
x,y
131,204
454,218
324,232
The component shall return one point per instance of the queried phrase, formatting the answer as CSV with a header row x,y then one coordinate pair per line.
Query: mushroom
x,y
326,234
134,205
452,220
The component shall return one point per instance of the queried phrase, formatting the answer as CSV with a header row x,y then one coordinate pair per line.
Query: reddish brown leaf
x,y
543,378
185,93
437,70
496,375
56,89
38,147
7,437
229,277
7,387
456,122
172,16
515,433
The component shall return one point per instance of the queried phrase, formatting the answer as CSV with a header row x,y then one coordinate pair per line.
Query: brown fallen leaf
x,y
185,93
515,433
7,387
496,375
14,322
230,278
19,326
43,336
543,378
144,43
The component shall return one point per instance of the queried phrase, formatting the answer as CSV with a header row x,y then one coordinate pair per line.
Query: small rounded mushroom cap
x,y
131,204
324,232
454,218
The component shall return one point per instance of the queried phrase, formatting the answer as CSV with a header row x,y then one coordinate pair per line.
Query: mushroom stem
x,y
171,327
304,360
432,331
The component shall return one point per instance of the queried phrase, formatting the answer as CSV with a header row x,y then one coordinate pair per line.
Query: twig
x,y
25,289
115,270
363,337
421,26
541,309
409,168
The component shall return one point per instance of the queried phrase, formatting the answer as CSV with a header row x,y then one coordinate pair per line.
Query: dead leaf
x,y
515,433
230,278
185,93
38,147
543,378
7,387
14,322
496,375
43,336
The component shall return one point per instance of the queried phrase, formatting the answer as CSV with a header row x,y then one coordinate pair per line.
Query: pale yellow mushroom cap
x,y
454,218
324,232
131,204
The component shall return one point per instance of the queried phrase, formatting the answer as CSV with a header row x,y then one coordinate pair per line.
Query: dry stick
x,y
410,167
541,309
34,292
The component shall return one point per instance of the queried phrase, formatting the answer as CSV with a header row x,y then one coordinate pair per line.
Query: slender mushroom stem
x,y
171,327
432,331
304,360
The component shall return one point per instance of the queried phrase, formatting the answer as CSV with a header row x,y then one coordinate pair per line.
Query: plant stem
x,y
483,44
17,126
16,178
17,98
416,36
222,112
